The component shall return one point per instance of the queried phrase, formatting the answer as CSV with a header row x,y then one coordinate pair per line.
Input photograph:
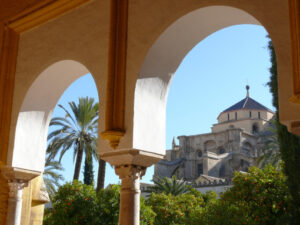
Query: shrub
x,y
77,203
74,203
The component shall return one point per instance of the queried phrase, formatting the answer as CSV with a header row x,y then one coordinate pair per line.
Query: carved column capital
x,y
130,171
15,188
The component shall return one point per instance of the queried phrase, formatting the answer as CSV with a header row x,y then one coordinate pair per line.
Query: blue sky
x,y
211,77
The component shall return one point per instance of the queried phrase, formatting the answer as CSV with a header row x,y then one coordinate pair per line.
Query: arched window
x,y
200,169
222,151
254,128
199,153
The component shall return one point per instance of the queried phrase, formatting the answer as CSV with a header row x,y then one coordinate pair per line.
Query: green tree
x,y
51,176
74,203
289,144
88,171
262,194
101,174
169,186
258,197
270,147
77,203
77,130
179,209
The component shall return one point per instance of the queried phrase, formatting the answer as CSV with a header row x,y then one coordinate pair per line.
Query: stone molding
x,y
131,157
13,173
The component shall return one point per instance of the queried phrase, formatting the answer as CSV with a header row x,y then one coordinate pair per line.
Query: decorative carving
x,y
113,136
16,187
130,171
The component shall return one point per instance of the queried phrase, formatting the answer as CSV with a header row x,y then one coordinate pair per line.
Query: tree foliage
x,y
258,197
169,186
51,176
88,171
289,144
77,203
76,131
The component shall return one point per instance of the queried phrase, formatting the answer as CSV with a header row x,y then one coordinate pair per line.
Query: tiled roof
x,y
247,103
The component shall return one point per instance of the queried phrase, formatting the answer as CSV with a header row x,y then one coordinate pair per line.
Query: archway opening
x,y
228,79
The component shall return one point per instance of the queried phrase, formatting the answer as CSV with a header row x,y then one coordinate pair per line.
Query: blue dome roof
x,y
247,103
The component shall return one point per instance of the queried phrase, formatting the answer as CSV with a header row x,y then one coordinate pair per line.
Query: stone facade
x,y
233,145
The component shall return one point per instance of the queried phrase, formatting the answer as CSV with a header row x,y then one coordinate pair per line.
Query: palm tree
x,y
169,186
77,131
51,176
101,174
270,147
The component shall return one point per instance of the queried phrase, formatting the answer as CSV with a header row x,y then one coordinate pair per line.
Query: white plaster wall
x,y
36,111
31,140
149,115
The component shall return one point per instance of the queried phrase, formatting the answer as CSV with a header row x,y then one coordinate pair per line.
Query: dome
x,y
247,103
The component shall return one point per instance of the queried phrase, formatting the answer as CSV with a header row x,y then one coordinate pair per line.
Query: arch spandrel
x,y
79,36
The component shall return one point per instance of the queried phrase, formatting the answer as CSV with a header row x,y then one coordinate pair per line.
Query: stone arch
x,y
210,145
247,148
161,62
30,138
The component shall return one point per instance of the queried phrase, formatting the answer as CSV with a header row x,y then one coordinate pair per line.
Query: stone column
x,y
17,179
130,165
14,209
130,193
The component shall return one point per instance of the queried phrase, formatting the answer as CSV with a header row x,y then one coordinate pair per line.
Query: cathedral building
x,y
232,145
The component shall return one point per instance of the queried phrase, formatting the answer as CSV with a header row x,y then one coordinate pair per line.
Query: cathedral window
x,y
254,128
200,154
222,171
200,169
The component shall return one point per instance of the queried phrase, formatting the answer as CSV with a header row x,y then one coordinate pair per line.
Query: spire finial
x,y
247,88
